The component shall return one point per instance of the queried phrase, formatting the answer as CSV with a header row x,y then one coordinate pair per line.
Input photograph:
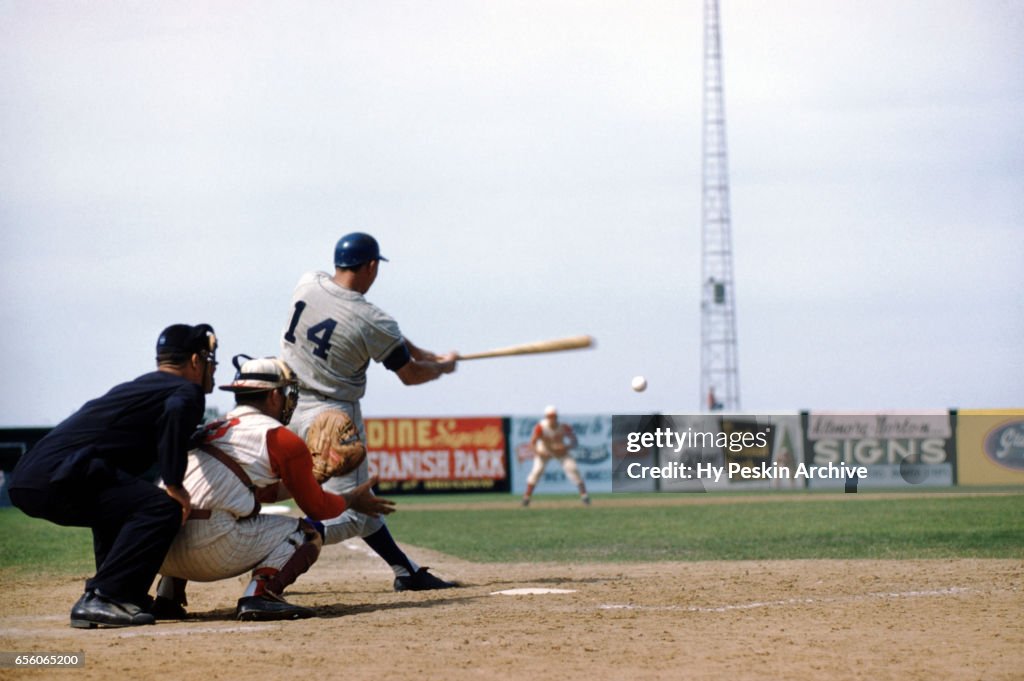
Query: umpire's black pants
x,y
133,525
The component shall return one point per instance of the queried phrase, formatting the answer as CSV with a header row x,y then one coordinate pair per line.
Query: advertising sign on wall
x,y
593,454
990,446
897,449
437,454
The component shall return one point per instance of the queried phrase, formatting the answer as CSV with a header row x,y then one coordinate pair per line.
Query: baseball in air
x,y
639,384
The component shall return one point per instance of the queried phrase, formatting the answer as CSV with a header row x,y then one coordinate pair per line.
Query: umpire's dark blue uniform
x,y
87,472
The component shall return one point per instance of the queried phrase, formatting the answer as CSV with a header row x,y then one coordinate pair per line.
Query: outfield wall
x,y
990,446
941,448
434,455
895,449
13,443
593,454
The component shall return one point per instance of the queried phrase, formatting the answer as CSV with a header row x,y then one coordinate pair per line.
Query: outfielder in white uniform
x,y
553,440
332,334
246,458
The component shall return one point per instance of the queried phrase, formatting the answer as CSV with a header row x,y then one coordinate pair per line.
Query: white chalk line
x,y
532,592
951,591
189,631
32,618
142,630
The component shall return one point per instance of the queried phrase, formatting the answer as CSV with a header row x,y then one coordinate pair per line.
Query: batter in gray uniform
x,y
332,334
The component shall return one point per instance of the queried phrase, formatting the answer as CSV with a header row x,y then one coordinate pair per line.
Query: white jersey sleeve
x,y
331,335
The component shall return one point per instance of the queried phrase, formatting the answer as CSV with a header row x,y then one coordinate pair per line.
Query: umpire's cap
x,y
352,250
181,341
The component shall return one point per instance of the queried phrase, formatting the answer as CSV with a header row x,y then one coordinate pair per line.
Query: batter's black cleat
x,y
166,609
94,610
421,580
270,607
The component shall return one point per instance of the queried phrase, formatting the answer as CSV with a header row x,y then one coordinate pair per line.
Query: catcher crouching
x,y
247,458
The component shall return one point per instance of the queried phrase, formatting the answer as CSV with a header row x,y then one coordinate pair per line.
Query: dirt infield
x,y
929,619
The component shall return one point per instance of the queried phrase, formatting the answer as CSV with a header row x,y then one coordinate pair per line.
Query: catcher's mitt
x,y
334,441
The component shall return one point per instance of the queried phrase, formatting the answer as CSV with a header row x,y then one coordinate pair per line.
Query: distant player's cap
x,y
179,341
259,375
352,250
550,410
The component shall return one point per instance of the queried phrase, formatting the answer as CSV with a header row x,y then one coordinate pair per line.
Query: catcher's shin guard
x,y
303,558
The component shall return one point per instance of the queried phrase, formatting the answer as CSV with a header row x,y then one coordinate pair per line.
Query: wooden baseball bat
x,y
554,345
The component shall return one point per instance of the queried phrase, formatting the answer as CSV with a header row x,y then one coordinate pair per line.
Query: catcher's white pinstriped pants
x,y
223,546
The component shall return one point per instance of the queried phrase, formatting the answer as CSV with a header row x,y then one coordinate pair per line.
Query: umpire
x,y
91,471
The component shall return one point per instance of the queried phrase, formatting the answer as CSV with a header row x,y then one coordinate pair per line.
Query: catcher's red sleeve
x,y
291,459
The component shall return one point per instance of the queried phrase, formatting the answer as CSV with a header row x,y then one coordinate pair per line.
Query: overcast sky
x,y
532,170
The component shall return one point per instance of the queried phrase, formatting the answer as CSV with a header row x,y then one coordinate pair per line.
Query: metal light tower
x,y
719,372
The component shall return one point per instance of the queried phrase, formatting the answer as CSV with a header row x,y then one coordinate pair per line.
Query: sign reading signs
x,y
897,449
437,454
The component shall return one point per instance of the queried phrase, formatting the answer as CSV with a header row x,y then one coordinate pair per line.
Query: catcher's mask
x,y
263,375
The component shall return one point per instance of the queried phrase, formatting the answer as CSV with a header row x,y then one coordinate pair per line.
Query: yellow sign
x,y
990,446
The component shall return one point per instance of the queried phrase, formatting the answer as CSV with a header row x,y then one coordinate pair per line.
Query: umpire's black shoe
x,y
167,609
270,607
93,610
421,580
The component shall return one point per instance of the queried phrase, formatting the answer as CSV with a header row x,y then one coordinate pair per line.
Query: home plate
x,y
276,509
531,592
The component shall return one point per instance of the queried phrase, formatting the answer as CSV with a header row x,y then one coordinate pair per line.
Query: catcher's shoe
x,y
421,580
94,610
270,607
167,609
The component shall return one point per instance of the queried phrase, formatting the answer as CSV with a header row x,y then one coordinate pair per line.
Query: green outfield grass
x,y
844,527
780,527
30,546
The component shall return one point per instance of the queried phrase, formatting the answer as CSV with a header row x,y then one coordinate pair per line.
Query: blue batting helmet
x,y
352,250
